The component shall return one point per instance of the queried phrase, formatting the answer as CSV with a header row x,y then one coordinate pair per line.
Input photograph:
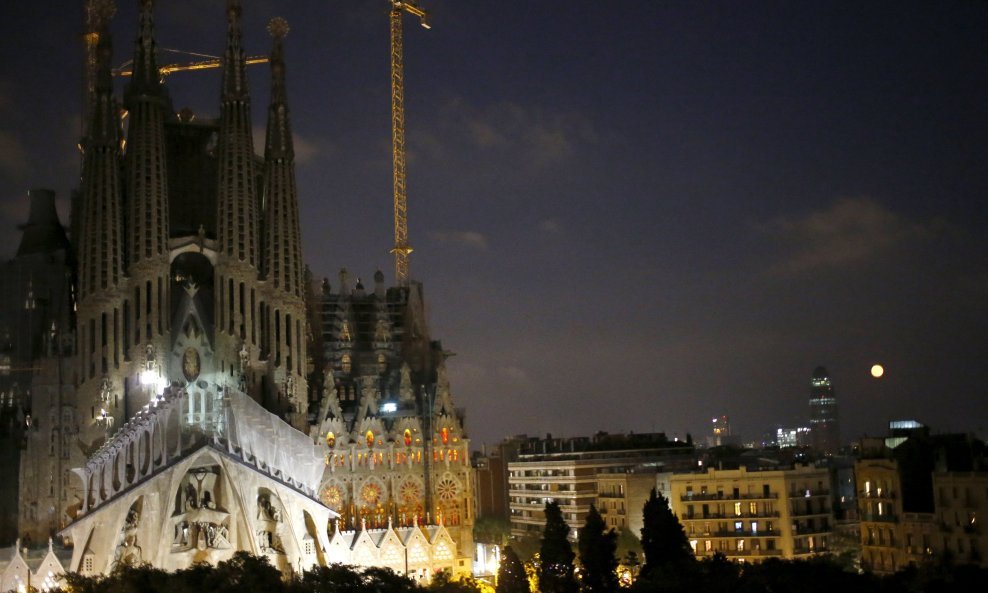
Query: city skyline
x,y
625,218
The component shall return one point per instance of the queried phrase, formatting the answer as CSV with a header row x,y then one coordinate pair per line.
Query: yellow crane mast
x,y
401,249
126,69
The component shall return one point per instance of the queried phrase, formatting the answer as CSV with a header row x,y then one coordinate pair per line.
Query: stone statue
x,y
405,389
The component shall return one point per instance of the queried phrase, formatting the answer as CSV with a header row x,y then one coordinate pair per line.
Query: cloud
x,y
851,231
540,136
513,373
471,239
551,226
306,149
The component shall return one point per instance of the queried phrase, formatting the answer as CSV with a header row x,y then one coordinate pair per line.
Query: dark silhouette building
x,y
825,430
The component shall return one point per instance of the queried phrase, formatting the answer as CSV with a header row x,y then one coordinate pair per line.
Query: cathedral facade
x,y
182,353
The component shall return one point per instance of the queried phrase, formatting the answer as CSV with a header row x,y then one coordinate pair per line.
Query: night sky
x,y
627,215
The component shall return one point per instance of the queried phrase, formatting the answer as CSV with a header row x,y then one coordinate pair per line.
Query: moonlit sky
x,y
627,215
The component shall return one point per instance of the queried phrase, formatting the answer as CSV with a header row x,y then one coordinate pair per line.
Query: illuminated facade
x,y
923,498
394,443
579,472
824,427
22,570
187,286
751,516
621,498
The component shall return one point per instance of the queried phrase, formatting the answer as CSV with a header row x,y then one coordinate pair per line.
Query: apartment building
x,y
961,510
568,471
752,515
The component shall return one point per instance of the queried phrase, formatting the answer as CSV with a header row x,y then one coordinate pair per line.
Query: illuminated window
x,y
443,552
330,439
740,545
737,509
753,508
370,438
444,435
408,437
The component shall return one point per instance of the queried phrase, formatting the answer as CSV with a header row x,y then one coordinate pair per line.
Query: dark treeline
x,y
245,573
669,567
250,574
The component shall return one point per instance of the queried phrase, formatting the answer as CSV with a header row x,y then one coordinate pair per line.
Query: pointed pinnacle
x,y
278,28
234,74
146,75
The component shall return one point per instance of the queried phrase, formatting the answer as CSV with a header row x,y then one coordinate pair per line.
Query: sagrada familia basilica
x,y
178,388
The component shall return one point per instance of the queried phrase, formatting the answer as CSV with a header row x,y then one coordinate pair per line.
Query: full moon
x,y
877,371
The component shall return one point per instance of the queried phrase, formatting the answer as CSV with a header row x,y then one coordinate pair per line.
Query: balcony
x,y
874,495
811,530
589,494
807,551
742,553
876,518
803,494
702,496
701,516
735,534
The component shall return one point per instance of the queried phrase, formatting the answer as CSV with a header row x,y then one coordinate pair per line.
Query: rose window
x,y
410,492
332,496
447,489
370,493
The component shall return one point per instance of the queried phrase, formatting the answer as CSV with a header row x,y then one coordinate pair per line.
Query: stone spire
x,y
234,59
101,254
282,259
283,250
146,176
145,79
237,207
100,248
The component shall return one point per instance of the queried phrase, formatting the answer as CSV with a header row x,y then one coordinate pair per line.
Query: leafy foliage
x,y
556,573
663,539
249,573
511,576
597,554
491,530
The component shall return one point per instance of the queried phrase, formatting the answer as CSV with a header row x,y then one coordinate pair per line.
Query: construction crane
x,y
126,69
401,249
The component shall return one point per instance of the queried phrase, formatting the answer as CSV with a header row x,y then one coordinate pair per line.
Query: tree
x,y
491,530
443,582
385,580
511,577
663,539
244,573
556,554
335,578
597,547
